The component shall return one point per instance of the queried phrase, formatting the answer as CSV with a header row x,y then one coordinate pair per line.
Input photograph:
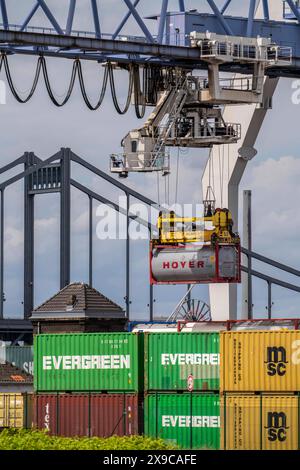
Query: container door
x,y
45,413
280,423
73,415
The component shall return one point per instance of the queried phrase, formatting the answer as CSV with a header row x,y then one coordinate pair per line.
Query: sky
x,y
39,126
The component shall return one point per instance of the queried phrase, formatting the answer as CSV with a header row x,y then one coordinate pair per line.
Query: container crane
x,y
189,109
172,48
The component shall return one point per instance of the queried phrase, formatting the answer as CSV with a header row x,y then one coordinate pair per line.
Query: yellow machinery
x,y
173,230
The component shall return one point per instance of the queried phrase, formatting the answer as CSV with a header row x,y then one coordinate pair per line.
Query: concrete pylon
x,y
225,171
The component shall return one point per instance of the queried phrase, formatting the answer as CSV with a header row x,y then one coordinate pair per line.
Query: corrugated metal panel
x,y
73,415
11,410
260,422
115,415
171,358
260,361
88,362
191,421
45,412
88,415
20,356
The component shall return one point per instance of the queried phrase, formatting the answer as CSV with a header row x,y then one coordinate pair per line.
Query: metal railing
x,y
238,84
140,161
244,52
209,130
174,39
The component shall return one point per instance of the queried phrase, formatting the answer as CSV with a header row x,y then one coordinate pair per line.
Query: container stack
x,y
260,387
182,401
88,384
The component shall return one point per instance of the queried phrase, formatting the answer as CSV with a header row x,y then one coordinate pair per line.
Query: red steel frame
x,y
214,280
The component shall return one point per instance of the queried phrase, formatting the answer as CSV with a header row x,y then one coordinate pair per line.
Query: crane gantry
x,y
183,42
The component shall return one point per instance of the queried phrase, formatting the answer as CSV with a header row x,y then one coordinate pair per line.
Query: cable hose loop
x,y
11,84
113,90
83,89
133,86
137,93
48,86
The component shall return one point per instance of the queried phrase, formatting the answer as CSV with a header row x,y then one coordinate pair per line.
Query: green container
x,y
88,362
188,420
182,361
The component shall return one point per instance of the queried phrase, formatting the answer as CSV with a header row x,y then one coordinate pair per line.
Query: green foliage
x,y
22,439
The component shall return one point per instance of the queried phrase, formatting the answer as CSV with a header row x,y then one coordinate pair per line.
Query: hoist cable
x,y
220,175
177,175
158,194
213,171
165,180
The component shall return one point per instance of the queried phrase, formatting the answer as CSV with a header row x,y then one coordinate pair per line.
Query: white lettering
x,y
46,362
192,359
86,362
188,421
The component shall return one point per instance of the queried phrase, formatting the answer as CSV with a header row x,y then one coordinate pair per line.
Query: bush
x,y
22,439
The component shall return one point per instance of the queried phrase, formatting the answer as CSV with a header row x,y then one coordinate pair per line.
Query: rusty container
x,y
88,415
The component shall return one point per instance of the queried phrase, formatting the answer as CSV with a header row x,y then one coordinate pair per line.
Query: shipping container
x,y
89,362
15,410
263,361
20,356
188,420
253,422
182,361
88,415
193,264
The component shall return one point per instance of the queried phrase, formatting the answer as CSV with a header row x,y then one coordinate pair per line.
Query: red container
x,y
88,415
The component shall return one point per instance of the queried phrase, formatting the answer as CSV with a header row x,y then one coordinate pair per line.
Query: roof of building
x,y
10,374
77,300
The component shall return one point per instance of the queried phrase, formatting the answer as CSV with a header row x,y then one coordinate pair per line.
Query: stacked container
x,y
182,379
88,384
260,386
15,410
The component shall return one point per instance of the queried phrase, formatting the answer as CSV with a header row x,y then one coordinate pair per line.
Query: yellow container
x,y
259,422
263,361
11,410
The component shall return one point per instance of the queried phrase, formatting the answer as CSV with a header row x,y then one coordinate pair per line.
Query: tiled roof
x,y
79,297
10,374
